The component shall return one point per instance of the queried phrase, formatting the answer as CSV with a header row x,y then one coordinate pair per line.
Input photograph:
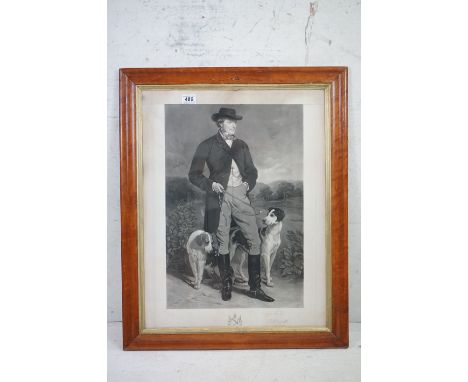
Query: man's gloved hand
x,y
218,188
214,244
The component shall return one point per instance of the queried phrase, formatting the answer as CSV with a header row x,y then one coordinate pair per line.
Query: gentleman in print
x,y
232,175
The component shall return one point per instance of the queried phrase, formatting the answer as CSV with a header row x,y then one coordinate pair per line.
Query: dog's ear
x,y
279,214
202,239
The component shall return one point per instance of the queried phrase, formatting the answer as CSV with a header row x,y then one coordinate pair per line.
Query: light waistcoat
x,y
235,178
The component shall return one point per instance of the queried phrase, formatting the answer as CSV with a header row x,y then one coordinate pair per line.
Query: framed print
x,y
234,208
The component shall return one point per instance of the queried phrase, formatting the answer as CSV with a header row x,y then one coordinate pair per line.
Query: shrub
x,y
292,255
180,223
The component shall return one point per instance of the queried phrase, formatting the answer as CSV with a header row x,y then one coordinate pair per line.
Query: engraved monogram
x,y
235,320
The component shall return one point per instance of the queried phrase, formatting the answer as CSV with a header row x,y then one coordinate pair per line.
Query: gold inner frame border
x,y
139,150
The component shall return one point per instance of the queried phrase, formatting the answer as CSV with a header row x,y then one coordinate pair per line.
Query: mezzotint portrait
x,y
234,206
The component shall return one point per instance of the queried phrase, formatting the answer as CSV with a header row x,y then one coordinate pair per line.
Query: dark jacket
x,y
217,155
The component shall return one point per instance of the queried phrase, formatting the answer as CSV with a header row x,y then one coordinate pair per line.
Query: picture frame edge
x,y
129,79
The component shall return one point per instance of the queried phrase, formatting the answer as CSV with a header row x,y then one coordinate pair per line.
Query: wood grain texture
x,y
336,77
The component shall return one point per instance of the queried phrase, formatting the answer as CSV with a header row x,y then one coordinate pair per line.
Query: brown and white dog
x,y
270,236
199,245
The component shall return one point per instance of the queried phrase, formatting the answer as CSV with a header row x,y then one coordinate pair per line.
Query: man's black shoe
x,y
260,295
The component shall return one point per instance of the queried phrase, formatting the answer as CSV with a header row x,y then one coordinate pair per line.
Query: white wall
x,y
168,33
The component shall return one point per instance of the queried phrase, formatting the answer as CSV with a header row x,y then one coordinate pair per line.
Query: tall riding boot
x,y
254,280
226,272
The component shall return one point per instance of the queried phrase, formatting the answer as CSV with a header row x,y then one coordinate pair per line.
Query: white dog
x,y
271,240
199,245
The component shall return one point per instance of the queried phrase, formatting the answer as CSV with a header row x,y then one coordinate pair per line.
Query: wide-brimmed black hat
x,y
226,112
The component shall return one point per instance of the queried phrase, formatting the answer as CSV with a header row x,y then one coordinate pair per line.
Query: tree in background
x,y
179,190
266,193
285,190
298,191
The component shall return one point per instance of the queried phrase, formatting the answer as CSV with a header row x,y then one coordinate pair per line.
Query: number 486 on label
x,y
189,98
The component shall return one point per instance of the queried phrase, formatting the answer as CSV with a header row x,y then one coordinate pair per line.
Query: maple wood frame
x,y
334,80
